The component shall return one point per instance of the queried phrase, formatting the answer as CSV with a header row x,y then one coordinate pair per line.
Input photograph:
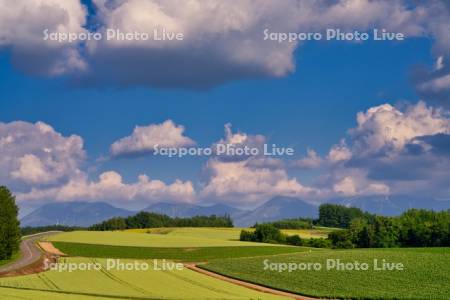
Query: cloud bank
x,y
223,41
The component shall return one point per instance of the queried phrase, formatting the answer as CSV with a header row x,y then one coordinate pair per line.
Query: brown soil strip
x,y
249,285
32,259
49,248
36,267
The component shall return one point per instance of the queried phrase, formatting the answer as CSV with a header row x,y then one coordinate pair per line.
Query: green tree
x,y
332,215
9,224
267,233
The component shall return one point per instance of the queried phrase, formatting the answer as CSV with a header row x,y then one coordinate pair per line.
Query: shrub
x,y
294,240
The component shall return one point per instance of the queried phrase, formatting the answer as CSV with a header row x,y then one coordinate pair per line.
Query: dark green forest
x,y
154,220
9,224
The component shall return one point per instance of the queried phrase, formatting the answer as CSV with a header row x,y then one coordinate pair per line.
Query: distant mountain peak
x,y
278,208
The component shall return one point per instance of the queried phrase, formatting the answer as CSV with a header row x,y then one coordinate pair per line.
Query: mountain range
x,y
73,214
184,210
86,213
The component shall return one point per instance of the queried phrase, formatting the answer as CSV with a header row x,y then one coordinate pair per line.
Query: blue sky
x,y
303,95
333,81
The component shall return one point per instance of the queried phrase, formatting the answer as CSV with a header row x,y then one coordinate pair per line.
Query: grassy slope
x,y
426,274
183,254
149,284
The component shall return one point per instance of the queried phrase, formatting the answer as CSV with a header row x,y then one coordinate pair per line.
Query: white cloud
x,y
145,138
388,148
230,46
311,161
248,180
111,187
385,126
31,169
40,164
22,26
36,154
357,184
237,182
339,153
237,142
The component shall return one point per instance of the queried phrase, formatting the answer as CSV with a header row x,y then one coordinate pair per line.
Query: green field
x,y
121,238
172,237
186,244
230,234
24,294
183,254
426,274
122,284
225,234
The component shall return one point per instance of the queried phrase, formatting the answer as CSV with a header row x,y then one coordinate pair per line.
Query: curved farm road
x,y
31,256
249,285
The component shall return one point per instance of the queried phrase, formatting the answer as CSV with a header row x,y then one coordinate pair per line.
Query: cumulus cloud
x,y
223,40
238,146
385,127
40,164
339,153
110,186
391,151
145,138
35,154
248,179
239,183
22,26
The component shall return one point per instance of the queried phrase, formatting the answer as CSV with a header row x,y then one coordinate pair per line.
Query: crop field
x,y
24,294
425,276
173,237
186,244
122,238
227,234
224,234
122,284
309,233
182,254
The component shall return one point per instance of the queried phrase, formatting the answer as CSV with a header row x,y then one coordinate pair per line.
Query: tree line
x,y
359,229
413,228
154,220
9,224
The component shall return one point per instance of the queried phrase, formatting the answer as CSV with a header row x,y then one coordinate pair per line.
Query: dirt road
x,y
249,285
30,254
